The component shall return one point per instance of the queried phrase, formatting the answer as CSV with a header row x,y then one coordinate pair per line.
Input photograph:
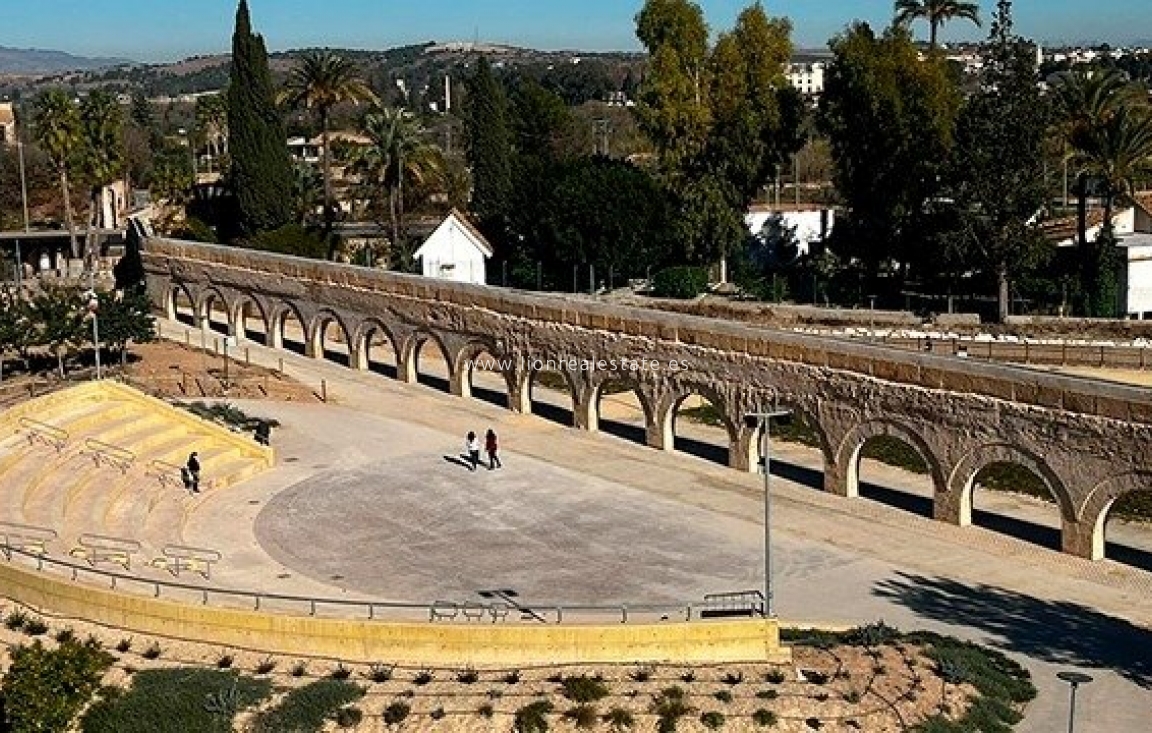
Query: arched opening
x,y
621,411
700,428
293,333
331,340
483,373
431,363
799,449
251,322
1121,510
214,313
182,308
890,466
1013,499
552,396
378,350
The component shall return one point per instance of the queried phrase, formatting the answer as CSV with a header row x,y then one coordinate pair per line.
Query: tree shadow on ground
x,y
1058,632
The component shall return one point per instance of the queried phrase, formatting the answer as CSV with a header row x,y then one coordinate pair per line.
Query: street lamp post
x,y
764,420
27,222
1074,680
93,307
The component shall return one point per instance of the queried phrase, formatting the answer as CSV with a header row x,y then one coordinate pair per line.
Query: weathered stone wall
x,y
1088,440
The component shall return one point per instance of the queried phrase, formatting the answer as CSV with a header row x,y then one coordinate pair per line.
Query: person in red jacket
x,y
493,449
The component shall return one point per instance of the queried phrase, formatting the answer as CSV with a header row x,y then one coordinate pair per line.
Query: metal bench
x,y
45,434
106,454
748,603
499,611
180,558
25,538
96,548
168,474
474,611
443,610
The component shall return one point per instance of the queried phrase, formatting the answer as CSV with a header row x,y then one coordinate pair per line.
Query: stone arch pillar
x,y
314,339
744,451
170,301
519,389
1081,539
276,330
585,413
406,344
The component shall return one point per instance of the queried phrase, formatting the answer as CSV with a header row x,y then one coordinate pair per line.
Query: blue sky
x,y
151,30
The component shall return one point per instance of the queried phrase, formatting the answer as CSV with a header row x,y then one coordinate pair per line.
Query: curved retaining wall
x,y
429,644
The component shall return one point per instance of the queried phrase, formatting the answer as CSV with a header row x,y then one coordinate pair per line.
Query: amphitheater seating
x,y
99,466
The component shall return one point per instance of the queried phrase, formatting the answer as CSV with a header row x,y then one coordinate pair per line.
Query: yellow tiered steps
x,y
77,490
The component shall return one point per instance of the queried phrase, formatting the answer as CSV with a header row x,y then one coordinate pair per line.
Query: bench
x,y
474,611
25,538
169,474
443,610
741,604
180,558
95,548
105,454
45,434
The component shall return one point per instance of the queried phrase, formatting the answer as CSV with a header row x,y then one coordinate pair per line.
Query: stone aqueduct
x,y
1090,442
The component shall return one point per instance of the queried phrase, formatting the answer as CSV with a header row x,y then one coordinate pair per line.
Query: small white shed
x,y
456,250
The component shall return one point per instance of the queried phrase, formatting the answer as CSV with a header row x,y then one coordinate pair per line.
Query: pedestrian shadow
x,y
464,461
1058,632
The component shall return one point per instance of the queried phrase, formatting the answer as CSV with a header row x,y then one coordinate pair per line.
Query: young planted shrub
x,y
584,689
712,720
723,696
619,720
44,689
152,652
669,707
423,677
266,666
16,620
764,718
468,676
396,713
340,673
348,717
123,645
532,718
35,627
380,673
224,661
582,716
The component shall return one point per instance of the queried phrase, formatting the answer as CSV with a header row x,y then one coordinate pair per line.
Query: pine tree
x,y
261,173
489,145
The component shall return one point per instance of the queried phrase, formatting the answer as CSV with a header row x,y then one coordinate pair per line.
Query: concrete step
x,y
24,480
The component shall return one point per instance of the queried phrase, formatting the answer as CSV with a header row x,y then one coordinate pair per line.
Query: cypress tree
x,y
261,175
489,146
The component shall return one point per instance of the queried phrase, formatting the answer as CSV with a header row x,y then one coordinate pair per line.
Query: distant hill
x,y
36,61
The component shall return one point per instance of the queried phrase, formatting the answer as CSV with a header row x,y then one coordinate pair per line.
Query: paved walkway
x,y
665,525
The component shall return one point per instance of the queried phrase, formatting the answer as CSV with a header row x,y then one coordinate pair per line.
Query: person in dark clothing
x,y
193,467
493,449
473,447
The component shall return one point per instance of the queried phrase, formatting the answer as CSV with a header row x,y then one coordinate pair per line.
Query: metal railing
x,y
24,537
98,548
49,435
549,613
107,454
169,474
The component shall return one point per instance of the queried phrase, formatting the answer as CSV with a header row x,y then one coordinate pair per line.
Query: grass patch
x,y
177,701
306,709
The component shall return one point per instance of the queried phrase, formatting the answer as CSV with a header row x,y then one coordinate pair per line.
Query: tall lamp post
x,y
764,420
1074,680
27,224
93,307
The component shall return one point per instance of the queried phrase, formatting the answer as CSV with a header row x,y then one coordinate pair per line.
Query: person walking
x,y
473,447
193,467
493,449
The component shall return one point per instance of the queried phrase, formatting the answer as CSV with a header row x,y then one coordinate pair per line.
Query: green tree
x,y
320,81
261,173
126,319
212,124
57,130
398,153
889,119
102,158
44,689
937,13
672,105
58,313
998,181
489,147
16,327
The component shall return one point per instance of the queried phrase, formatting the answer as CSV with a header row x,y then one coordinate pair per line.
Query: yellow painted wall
x,y
431,644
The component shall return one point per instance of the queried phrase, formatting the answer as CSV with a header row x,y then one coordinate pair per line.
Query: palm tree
x,y
101,123
212,123
321,81
56,124
936,12
398,151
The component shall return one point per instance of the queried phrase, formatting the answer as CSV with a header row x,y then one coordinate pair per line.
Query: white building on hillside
x,y
456,251
810,222
808,79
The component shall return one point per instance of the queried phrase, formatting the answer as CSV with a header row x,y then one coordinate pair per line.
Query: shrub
x,y
813,723
682,283
723,696
16,620
768,694
266,666
512,677
669,707
712,720
437,714
532,718
733,678
582,716
395,713
852,697
35,627
641,674
871,635
494,694
486,710
298,670
45,688
688,677
380,673
620,719
775,676
291,239
152,652
224,662
468,676
349,717
764,718
123,645
307,708
64,636
423,677
340,673
177,701
584,689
